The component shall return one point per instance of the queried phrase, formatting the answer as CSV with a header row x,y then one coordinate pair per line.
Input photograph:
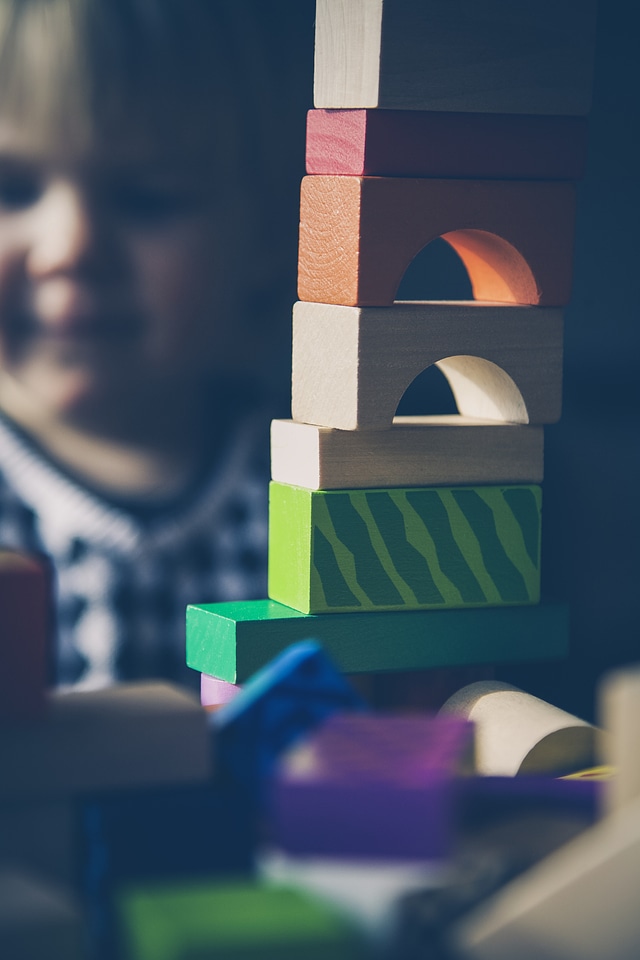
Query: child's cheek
x,y
186,294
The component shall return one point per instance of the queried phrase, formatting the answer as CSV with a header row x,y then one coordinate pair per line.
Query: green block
x,y
234,921
420,548
233,640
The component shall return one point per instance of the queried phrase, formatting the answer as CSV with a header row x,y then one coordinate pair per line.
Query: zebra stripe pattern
x,y
404,549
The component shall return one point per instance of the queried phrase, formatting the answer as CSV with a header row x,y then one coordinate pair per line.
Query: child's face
x,y
116,272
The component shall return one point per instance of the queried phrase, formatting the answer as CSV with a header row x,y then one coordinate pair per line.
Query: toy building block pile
x,y
58,749
408,543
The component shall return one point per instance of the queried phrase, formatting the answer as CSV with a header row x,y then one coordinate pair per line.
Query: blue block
x,y
283,701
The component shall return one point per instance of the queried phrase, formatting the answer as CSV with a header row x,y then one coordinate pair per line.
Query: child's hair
x,y
217,80
82,66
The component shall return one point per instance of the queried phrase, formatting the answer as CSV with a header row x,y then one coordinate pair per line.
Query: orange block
x,y
358,235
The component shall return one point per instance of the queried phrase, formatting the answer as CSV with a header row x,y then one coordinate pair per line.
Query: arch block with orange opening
x,y
351,365
358,235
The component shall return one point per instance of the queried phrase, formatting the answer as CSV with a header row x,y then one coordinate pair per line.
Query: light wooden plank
x,y
415,451
532,57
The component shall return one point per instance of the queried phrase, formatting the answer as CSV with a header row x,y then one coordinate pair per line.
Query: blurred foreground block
x,y
127,736
619,707
235,920
37,921
160,834
372,786
363,890
25,610
287,699
580,903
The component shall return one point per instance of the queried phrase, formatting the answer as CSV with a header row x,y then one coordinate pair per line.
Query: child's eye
x,y
18,190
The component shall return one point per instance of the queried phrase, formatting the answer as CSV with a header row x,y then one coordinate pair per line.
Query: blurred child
x,y
145,265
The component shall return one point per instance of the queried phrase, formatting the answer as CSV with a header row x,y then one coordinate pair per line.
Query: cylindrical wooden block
x,y
519,733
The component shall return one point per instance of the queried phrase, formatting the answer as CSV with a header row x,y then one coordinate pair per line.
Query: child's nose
x,y
64,236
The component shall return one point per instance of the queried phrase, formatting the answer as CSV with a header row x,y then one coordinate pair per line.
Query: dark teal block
x,y
233,640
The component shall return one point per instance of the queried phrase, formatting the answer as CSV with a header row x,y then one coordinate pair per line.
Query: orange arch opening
x,y
497,271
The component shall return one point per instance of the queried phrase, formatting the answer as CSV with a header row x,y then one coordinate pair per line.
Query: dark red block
x,y
408,143
24,629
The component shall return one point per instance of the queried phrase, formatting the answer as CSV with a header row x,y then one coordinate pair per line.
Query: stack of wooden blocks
x,y
408,543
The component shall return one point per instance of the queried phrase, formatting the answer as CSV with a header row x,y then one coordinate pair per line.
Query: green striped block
x,y
404,549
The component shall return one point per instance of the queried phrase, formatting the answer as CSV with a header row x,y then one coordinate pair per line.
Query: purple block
x,y
372,786
214,691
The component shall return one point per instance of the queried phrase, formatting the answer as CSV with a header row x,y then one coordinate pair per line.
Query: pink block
x,y
413,143
214,692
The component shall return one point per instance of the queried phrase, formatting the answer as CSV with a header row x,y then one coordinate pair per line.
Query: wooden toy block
x,y
25,611
619,709
214,692
415,451
366,891
230,920
352,365
38,920
517,733
232,640
403,143
579,903
500,848
372,786
412,548
127,736
497,57
358,235
158,835
39,835
283,701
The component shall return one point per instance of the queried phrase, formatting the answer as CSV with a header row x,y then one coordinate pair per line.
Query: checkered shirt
x,y
121,582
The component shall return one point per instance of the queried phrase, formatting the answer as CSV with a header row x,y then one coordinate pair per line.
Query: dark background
x,y
591,517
